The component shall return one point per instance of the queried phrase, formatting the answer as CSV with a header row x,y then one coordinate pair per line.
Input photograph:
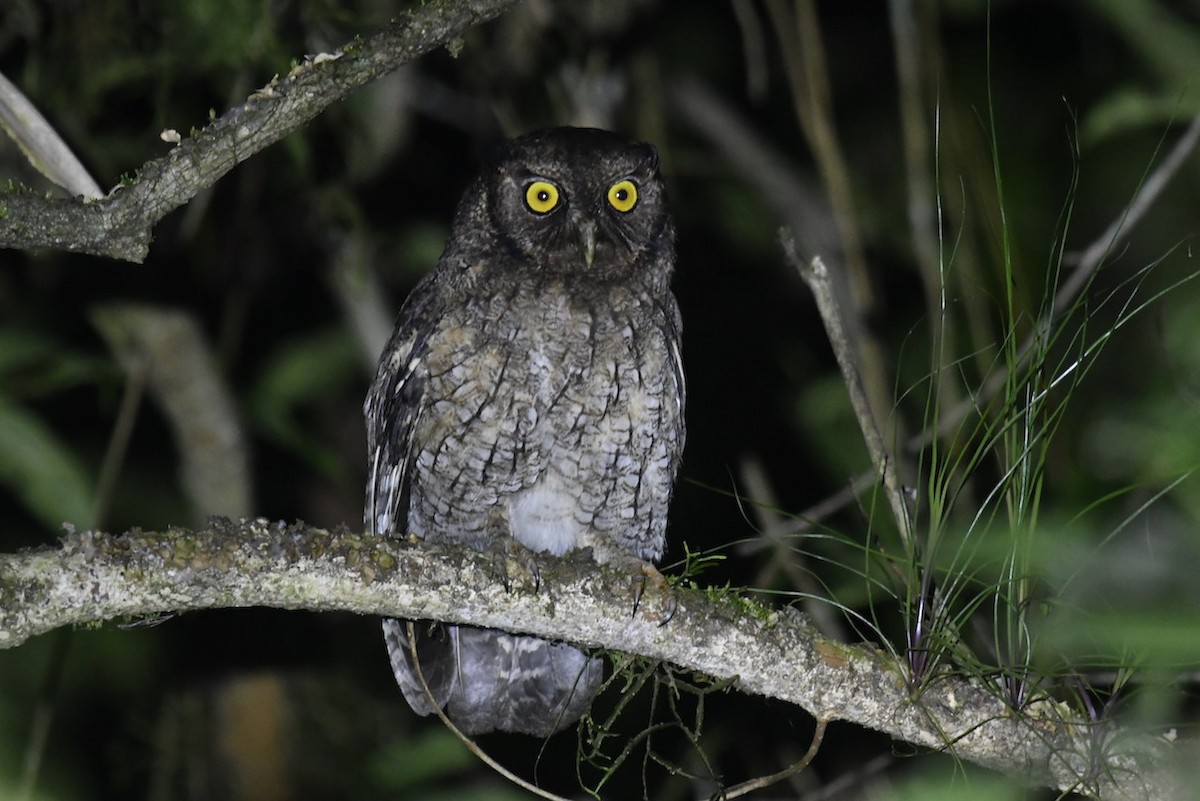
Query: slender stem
x,y
1087,262
751,785
471,745
118,442
799,36
816,277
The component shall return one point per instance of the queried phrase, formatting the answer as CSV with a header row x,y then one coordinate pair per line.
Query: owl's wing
x,y
675,326
392,409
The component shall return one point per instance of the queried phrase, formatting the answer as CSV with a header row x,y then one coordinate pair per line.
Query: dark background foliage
x,y
270,704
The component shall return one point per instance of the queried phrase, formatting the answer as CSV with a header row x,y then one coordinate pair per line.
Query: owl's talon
x,y
499,558
648,574
536,572
672,608
508,549
637,595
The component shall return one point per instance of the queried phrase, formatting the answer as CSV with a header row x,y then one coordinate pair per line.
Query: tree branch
x,y
120,225
95,576
816,277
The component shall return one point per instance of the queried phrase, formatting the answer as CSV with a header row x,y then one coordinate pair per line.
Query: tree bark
x,y
94,576
121,224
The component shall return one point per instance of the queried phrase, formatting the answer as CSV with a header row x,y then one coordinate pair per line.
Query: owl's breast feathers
x,y
547,412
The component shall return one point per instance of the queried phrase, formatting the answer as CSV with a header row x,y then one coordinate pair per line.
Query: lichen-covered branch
x,y
96,576
121,224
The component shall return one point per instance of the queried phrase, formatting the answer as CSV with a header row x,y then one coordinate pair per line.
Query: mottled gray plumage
x,y
532,390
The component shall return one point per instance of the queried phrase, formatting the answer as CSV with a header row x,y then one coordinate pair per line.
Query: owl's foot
x,y
644,576
507,554
647,574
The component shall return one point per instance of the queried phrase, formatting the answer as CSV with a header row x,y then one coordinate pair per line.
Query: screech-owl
x,y
532,390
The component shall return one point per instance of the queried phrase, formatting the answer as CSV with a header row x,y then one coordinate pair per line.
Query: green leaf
x,y
39,366
421,760
42,470
300,374
1128,109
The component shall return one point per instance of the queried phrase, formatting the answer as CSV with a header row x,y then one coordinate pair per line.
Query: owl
x,y
532,396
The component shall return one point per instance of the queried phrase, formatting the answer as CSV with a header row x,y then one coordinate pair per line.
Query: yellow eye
x,y
541,197
622,195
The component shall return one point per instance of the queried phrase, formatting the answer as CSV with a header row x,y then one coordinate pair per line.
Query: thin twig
x,y
1093,256
360,296
816,277
799,33
766,781
753,49
471,745
41,144
782,558
914,131
136,376
796,198
43,717
168,346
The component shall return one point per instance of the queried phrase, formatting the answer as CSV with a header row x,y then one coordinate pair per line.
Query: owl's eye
x,y
541,197
623,195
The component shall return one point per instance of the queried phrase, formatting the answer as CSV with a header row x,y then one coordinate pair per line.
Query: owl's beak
x,y
587,238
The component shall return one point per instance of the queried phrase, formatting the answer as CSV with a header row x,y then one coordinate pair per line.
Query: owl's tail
x,y
489,680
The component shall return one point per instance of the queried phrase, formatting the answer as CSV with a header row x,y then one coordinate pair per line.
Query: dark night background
x,y
284,705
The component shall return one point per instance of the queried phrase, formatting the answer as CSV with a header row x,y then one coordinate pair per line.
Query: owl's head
x,y
580,201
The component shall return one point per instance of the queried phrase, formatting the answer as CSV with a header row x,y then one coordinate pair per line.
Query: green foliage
x,y
42,469
695,564
301,375
1167,43
1056,512
980,555
943,785
405,765
36,463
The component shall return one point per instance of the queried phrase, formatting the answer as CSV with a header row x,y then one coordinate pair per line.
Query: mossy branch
x,y
120,225
92,577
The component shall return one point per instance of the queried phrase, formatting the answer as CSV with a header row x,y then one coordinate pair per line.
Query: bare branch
x,y
41,144
816,277
798,29
95,576
167,349
120,224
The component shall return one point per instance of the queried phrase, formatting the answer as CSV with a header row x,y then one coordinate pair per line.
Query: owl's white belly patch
x,y
543,517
